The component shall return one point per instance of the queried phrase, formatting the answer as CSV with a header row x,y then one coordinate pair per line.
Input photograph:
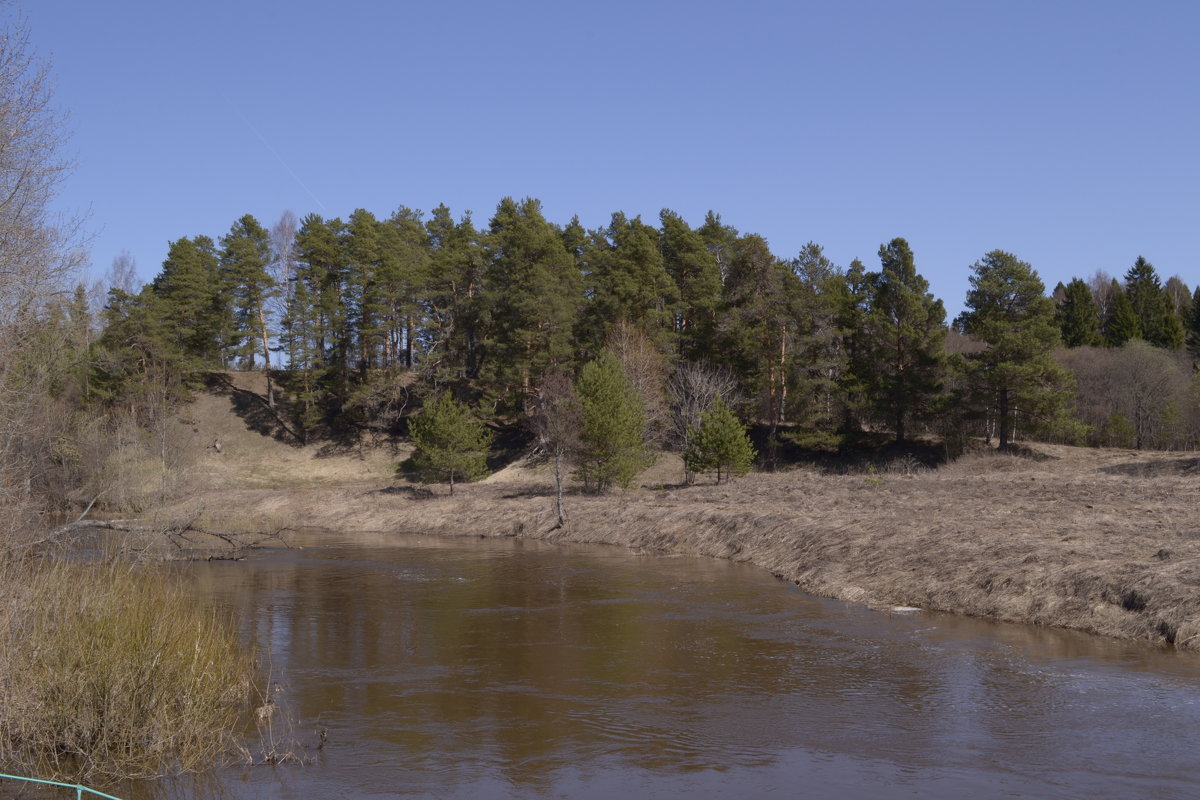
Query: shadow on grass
x,y
843,454
411,492
253,409
1155,467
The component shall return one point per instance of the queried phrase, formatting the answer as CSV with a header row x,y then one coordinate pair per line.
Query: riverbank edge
x,y
935,543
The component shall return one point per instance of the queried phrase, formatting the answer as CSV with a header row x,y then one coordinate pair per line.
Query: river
x,y
503,669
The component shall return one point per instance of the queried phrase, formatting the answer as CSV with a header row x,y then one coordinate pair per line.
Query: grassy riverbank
x,y
1104,541
112,672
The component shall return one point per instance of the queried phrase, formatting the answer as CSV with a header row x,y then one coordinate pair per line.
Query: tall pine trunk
x,y
1004,443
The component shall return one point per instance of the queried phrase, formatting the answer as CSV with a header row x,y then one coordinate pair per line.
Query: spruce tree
x,y
1008,312
450,442
1193,326
1078,317
612,427
1157,321
719,444
1122,323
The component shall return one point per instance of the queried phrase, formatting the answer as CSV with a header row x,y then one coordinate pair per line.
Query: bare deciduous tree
x,y
556,423
1101,285
1180,294
283,261
645,367
692,388
39,252
1147,388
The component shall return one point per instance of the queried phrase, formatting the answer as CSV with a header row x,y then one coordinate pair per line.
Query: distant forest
x,y
358,320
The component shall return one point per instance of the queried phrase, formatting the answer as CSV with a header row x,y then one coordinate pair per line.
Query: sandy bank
x,y
1099,541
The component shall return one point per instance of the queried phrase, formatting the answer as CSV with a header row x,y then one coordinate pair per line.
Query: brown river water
x,y
508,669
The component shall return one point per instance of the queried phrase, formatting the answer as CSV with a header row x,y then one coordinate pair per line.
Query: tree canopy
x,y
349,317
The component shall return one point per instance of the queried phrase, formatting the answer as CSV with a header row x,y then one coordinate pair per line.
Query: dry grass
x,y
112,672
1104,541
1100,541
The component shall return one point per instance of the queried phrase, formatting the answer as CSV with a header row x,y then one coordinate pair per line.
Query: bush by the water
x,y
112,671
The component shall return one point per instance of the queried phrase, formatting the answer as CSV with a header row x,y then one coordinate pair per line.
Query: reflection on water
x,y
512,669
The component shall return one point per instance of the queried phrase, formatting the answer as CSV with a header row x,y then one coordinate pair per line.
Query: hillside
x,y
1097,540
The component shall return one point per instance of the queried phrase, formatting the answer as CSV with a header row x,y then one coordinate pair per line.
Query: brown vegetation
x,y
1098,540
113,672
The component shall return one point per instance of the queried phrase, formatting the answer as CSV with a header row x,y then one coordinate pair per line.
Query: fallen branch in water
x,y
183,536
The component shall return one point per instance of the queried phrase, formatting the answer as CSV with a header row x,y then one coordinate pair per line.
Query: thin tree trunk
x,y
558,488
408,345
1003,420
262,322
782,413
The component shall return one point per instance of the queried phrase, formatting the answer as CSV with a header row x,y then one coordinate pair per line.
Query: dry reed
x,y
112,671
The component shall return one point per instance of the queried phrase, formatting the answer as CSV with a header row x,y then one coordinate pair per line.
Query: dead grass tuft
x,y
113,672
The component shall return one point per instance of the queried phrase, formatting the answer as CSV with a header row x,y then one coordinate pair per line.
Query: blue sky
x,y
1064,132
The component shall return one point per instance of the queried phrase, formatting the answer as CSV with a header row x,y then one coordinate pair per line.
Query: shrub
x,y
720,444
450,442
611,447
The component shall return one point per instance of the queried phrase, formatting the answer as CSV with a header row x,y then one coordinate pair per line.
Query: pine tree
x,y
820,357
450,443
363,293
904,363
694,269
851,298
244,260
759,325
406,281
1008,311
298,335
453,306
719,444
612,427
1078,317
626,281
533,293
721,241
321,266
192,296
